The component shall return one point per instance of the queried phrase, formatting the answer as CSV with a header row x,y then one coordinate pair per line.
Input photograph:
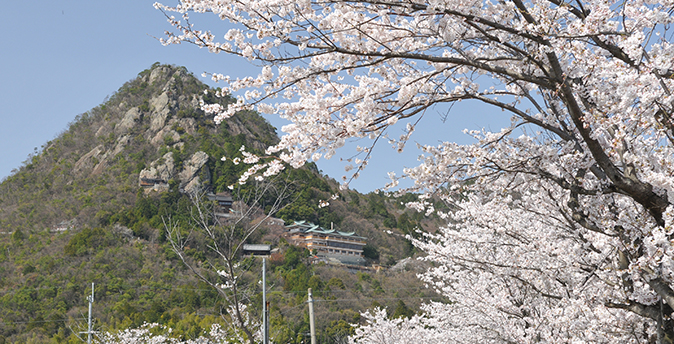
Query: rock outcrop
x,y
128,121
191,176
87,161
160,111
157,176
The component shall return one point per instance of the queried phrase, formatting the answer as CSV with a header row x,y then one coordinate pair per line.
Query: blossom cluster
x,y
153,333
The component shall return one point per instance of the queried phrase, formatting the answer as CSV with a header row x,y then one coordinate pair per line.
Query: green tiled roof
x,y
309,227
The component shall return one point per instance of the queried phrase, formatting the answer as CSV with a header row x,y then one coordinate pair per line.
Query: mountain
x,y
90,207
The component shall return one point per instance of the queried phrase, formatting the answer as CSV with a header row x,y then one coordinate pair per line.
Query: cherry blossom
x,y
559,226
152,333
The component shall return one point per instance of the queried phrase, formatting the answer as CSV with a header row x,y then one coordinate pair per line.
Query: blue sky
x,y
63,57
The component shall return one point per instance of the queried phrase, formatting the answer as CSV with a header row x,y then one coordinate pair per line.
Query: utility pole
x,y
91,301
312,326
265,306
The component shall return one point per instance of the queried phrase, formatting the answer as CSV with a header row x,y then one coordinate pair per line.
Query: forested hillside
x,y
91,206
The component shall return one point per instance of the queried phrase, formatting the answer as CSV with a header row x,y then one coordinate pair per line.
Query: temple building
x,y
223,204
346,247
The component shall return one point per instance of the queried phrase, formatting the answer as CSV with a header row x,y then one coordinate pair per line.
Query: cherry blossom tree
x,y
559,226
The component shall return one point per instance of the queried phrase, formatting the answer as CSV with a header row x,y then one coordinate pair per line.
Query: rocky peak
x,y
160,73
159,113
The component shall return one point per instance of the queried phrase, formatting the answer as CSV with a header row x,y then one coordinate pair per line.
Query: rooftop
x,y
308,227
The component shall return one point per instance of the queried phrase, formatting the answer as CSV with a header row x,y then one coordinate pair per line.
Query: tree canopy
x,y
559,226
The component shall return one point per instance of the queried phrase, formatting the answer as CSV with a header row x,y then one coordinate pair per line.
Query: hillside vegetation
x,y
76,213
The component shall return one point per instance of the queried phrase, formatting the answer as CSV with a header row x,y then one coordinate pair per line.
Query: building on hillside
x,y
64,226
156,184
346,247
223,206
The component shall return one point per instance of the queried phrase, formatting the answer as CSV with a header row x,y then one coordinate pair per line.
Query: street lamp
x,y
263,251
